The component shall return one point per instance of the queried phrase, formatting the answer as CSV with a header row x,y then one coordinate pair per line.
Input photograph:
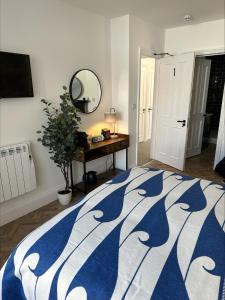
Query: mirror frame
x,y
70,89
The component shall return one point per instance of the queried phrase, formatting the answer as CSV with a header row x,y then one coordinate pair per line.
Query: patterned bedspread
x,y
147,234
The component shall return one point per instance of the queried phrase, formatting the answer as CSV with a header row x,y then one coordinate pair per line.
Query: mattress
x,y
146,234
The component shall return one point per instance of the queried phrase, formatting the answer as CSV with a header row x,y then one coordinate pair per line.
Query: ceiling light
x,y
187,18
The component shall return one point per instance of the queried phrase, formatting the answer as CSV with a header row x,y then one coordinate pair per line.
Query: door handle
x,y
143,109
182,121
149,109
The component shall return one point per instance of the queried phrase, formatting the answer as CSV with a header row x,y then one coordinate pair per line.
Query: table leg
x,y
114,161
85,179
126,158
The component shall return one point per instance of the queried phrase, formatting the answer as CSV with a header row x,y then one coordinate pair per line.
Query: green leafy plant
x,y
60,133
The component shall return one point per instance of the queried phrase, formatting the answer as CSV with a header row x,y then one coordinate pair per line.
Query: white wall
x,y
60,39
120,47
128,35
203,36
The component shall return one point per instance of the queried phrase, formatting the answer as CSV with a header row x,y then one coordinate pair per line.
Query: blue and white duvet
x,y
147,234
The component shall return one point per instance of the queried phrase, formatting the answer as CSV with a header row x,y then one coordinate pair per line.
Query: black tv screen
x,y
15,75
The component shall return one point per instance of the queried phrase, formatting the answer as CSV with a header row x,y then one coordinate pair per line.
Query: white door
x,y
146,98
198,106
142,109
173,97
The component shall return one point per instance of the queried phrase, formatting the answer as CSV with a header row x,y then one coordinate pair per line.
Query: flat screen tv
x,y
15,75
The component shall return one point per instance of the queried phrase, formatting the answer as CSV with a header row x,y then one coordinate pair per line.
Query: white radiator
x,y
17,172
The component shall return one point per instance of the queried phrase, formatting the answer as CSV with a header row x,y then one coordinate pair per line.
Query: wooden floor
x,y
12,233
143,152
198,166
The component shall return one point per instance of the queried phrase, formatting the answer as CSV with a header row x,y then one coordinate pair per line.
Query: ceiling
x,y
166,13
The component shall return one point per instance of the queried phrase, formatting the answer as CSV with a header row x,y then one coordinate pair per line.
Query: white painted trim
x,y
13,213
220,151
204,52
138,104
154,113
208,52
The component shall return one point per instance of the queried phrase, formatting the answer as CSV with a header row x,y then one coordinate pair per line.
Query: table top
x,y
121,137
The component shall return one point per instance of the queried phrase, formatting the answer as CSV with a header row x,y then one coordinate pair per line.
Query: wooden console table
x,y
98,150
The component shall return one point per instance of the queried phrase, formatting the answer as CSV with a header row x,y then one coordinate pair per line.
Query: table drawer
x,y
102,149
115,147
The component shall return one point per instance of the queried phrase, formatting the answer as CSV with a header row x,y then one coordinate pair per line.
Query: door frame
x,y
210,52
142,53
220,145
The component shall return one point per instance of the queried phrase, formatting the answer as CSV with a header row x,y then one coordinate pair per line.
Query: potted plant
x,y
60,136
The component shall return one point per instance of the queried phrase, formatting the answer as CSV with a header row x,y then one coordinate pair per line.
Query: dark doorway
x,y
214,99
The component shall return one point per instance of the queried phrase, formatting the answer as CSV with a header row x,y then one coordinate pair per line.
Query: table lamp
x,y
110,117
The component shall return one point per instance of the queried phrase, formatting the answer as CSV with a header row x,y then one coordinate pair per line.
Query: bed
x,y
146,234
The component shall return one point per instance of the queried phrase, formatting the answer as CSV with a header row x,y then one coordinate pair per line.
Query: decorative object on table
x,y
90,177
86,96
82,140
60,136
97,138
106,133
111,117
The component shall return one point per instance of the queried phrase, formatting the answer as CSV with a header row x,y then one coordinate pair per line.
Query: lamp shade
x,y
110,117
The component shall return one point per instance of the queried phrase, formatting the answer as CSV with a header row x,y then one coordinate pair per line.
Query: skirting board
x,y
16,212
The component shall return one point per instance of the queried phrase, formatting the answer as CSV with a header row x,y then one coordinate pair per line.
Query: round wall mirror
x,y
85,91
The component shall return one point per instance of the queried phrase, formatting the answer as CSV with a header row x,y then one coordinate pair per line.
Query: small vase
x,y
64,197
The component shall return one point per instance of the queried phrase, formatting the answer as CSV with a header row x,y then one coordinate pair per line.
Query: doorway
x,y
145,109
206,104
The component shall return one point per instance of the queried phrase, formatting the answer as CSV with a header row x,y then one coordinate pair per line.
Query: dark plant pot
x,y
91,177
